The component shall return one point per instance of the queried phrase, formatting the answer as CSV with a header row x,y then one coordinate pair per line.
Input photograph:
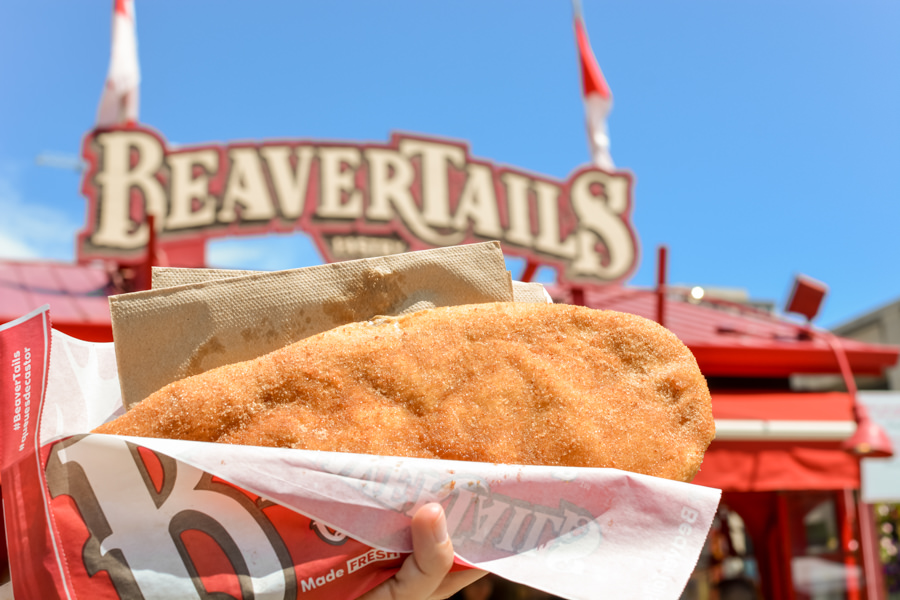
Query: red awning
x,y
771,466
780,441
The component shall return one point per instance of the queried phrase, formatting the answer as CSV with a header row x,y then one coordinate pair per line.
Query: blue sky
x,y
764,136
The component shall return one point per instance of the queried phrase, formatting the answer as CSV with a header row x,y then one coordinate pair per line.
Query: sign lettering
x,y
353,199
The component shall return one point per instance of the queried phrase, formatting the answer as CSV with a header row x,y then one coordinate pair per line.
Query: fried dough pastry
x,y
521,383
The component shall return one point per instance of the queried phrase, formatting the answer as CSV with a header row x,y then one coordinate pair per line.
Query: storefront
x,y
792,525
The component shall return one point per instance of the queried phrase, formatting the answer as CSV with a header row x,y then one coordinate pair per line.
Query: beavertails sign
x,y
354,200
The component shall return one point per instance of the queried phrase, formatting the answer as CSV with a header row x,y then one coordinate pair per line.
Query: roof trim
x,y
758,430
780,360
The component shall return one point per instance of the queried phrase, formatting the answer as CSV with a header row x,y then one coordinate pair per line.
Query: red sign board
x,y
353,199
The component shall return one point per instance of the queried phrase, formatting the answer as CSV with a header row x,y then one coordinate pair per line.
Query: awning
x,y
789,416
771,466
780,441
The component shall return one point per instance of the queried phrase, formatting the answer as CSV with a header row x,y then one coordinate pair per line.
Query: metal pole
x,y
661,286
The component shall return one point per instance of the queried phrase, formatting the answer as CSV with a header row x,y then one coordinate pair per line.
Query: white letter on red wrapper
x,y
135,530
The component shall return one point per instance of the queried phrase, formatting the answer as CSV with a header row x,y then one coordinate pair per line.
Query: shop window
x,y
727,568
825,561
820,535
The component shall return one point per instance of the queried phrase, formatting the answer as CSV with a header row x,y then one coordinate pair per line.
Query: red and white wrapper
x,y
99,516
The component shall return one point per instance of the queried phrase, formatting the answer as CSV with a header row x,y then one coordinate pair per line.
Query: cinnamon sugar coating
x,y
513,383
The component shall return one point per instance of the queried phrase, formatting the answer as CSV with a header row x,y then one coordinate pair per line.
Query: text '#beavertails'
x,y
21,378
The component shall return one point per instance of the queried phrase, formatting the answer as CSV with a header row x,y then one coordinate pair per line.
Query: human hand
x,y
425,574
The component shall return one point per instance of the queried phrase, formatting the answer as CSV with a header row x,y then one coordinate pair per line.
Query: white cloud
x,y
12,248
30,231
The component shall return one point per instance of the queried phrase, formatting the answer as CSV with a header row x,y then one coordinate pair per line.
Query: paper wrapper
x,y
96,516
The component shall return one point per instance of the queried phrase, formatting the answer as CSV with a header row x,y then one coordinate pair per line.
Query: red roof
x,y
77,295
730,340
736,340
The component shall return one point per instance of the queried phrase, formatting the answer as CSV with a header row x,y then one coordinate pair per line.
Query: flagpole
x,y
120,97
596,95
576,8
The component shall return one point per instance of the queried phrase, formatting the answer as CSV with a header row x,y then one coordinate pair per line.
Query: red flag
x,y
119,102
596,94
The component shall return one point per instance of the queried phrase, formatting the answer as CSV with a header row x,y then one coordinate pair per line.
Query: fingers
x,y
432,548
432,556
424,574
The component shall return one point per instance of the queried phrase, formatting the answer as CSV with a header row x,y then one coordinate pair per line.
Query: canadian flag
x,y
119,102
597,96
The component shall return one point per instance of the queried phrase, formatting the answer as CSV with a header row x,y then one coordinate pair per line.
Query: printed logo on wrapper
x,y
143,525
146,516
135,514
477,513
